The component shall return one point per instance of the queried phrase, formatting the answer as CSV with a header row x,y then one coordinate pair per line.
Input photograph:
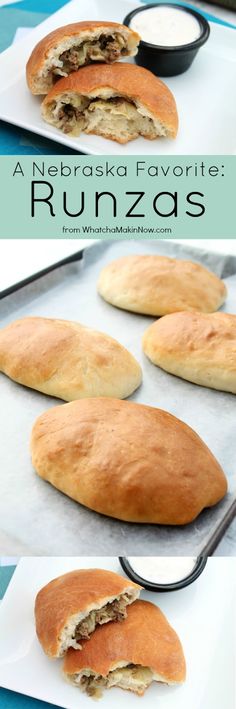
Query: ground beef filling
x,y
71,117
107,48
114,611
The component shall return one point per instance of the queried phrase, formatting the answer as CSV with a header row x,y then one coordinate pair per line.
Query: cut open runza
x,y
119,102
81,626
70,607
130,655
68,48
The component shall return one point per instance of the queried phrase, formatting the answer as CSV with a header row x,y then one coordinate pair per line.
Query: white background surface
x,y
203,615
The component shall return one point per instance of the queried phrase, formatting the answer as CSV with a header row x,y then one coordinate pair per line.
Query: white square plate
x,y
205,94
203,615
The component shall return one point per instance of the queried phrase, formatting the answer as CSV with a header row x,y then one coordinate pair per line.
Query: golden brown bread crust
x,y
144,638
127,461
158,285
40,52
195,346
127,80
56,37
70,594
67,360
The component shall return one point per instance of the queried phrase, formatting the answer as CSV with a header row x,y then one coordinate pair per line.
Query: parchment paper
x,y
38,516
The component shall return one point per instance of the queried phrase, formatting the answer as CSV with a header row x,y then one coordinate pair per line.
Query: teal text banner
x,y
104,196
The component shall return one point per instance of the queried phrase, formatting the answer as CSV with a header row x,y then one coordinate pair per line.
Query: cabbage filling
x,y
133,677
80,628
116,610
115,117
106,48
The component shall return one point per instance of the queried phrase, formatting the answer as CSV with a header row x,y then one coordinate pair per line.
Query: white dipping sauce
x,y
166,26
162,569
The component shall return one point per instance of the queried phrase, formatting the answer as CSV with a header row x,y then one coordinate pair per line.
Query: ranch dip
x,y
161,569
166,26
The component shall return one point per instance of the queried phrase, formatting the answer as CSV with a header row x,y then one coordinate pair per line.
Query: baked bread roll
x,y
127,461
158,285
66,360
194,346
68,48
120,102
130,655
69,608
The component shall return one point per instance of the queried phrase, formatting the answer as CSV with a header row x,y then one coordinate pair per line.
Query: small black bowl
x,y
150,586
169,61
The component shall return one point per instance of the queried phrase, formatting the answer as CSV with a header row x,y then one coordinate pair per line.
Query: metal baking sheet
x,y
44,520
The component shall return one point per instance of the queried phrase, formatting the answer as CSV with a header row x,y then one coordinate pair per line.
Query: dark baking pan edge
x,y
77,256
216,538
101,245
